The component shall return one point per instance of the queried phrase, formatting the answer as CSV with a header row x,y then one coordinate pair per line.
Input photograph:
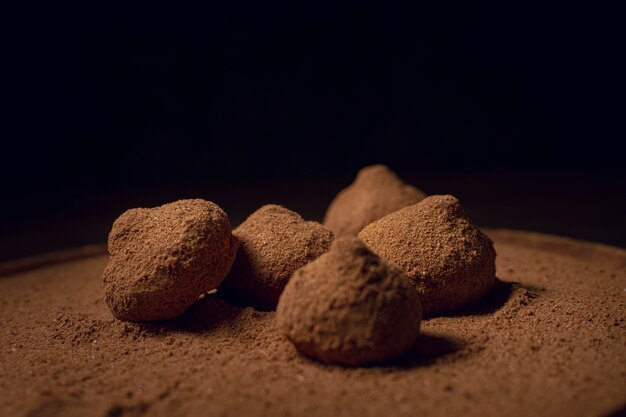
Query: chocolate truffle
x,y
448,259
376,192
350,307
162,259
274,242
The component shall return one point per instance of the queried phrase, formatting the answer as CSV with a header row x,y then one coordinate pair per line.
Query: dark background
x,y
512,110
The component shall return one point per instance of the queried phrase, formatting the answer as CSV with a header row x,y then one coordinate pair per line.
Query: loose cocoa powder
x,y
347,307
547,340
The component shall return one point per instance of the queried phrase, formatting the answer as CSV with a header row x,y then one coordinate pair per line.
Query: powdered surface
x,y
549,339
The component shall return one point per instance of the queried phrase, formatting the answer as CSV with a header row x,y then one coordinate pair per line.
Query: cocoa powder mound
x,y
376,192
350,307
449,260
163,258
548,340
274,242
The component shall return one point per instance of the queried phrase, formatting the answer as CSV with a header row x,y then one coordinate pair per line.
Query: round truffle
x,y
162,259
274,242
448,259
350,307
376,192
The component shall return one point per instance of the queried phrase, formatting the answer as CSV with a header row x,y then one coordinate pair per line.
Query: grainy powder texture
x,y
450,261
274,242
548,340
350,307
164,258
376,192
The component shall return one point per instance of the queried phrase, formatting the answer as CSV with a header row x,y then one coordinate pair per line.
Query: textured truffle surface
x,y
376,192
350,307
449,260
162,259
274,242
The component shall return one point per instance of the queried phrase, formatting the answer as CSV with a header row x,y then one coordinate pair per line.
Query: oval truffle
x,y
376,192
448,259
162,259
350,307
274,242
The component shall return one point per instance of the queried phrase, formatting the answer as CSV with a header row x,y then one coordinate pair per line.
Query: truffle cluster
x,y
345,300
162,259
375,192
350,307
274,242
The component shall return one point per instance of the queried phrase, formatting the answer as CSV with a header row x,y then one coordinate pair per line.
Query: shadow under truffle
x,y
496,298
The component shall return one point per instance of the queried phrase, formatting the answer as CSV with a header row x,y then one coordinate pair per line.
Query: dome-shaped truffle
x,y
274,242
376,192
162,259
449,260
350,307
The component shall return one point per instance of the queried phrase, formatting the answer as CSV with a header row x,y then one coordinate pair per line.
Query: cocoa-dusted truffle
x,y
163,258
275,242
450,261
350,307
376,192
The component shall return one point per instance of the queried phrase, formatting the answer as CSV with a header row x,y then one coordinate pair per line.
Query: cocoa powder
x,y
547,340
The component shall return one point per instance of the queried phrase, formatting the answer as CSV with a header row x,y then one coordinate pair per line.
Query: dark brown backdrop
x,y
514,110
